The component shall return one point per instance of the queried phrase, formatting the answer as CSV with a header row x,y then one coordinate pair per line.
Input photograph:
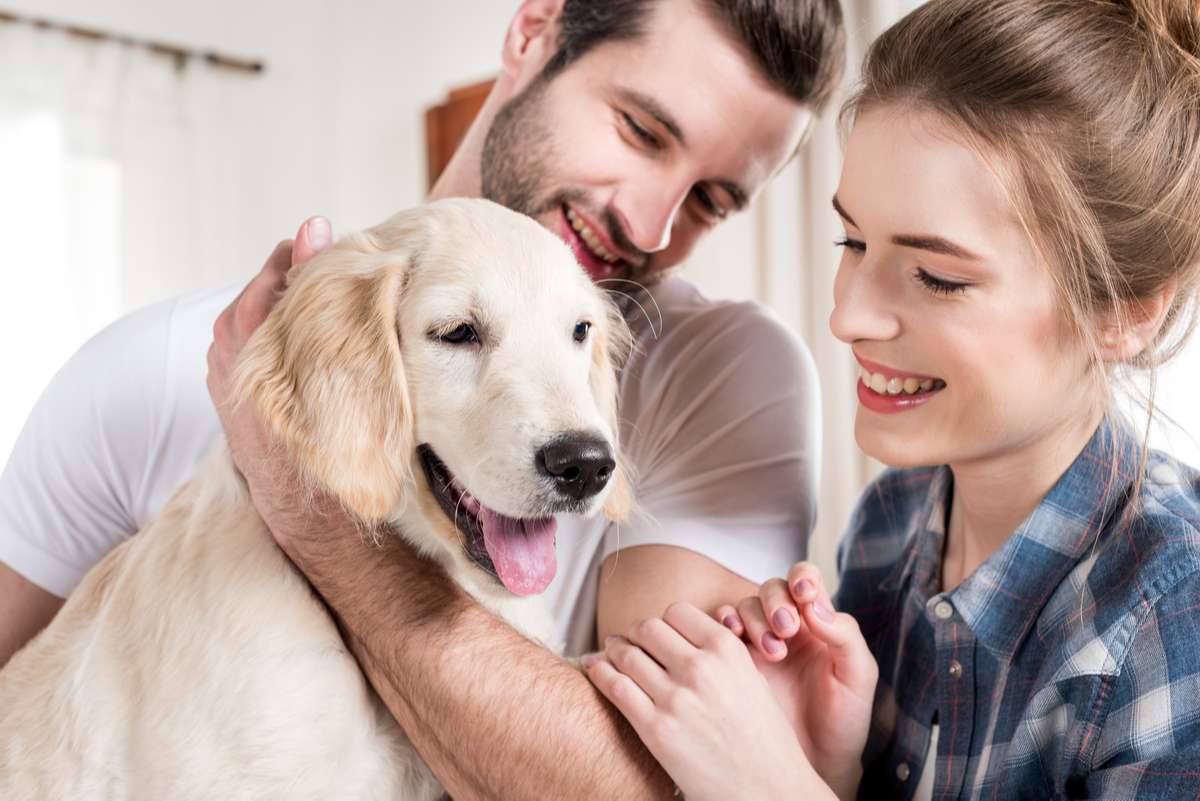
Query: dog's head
x,y
454,362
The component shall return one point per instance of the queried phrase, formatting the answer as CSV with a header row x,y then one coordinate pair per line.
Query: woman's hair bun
x,y
1175,21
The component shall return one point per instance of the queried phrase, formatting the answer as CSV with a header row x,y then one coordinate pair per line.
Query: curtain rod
x,y
181,55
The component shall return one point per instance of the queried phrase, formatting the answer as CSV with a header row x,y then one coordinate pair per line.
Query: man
x,y
629,127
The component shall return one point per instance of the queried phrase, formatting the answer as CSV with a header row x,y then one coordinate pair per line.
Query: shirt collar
x,y
1002,599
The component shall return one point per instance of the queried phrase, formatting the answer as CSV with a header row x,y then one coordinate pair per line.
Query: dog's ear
x,y
324,373
610,349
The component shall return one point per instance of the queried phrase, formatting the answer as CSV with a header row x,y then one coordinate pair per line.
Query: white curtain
x,y
120,179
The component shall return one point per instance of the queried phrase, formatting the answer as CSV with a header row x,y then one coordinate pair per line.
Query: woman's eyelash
x,y
939,286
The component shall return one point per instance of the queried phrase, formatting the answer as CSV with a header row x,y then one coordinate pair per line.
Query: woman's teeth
x,y
896,386
592,241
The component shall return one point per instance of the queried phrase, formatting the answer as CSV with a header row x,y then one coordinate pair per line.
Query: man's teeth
x,y
894,386
589,237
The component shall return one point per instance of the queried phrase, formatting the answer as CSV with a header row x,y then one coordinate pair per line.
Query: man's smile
x,y
591,247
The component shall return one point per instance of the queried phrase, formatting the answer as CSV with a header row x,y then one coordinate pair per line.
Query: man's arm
x,y
642,581
27,610
495,715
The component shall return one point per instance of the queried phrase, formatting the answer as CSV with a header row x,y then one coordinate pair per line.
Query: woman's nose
x,y
864,306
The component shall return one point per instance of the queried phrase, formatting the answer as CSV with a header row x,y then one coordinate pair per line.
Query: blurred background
x,y
132,170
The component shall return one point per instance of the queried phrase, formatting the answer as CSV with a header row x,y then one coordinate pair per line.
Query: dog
x,y
450,376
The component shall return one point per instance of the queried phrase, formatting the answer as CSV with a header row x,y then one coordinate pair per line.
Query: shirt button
x,y
902,771
955,669
943,610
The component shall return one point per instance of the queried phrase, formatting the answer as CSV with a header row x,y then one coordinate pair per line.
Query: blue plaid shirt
x,y
1066,666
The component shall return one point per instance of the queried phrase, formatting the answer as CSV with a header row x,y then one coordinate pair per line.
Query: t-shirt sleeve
x,y
721,427
67,492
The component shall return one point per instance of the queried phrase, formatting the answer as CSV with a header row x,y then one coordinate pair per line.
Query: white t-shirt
x,y
720,423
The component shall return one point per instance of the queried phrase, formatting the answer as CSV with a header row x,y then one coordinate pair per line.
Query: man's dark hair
x,y
797,45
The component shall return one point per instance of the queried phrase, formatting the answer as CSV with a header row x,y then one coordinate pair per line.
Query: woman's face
x,y
940,291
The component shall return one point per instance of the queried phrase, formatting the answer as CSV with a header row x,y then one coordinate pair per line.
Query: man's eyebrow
x,y
649,105
934,244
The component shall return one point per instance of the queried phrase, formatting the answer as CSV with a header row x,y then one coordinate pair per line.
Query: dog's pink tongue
x,y
521,550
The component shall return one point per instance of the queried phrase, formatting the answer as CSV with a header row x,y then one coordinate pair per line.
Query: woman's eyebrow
x,y
842,212
933,244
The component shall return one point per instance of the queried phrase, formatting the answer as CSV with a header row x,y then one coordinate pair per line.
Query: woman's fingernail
x,y
822,611
319,233
589,660
772,644
731,622
782,619
803,587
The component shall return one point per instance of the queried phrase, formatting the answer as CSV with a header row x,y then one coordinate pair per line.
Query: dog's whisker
x,y
634,300
653,331
467,480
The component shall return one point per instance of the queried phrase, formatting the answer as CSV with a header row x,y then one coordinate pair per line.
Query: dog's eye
x,y
460,336
581,331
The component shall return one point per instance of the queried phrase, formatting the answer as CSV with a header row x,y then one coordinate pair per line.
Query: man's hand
x,y
492,713
249,443
817,664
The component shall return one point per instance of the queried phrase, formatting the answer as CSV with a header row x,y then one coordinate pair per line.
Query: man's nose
x,y
864,306
648,212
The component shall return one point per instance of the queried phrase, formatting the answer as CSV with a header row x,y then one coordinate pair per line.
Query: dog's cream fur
x,y
194,662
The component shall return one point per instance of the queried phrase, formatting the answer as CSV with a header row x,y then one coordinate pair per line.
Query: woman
x,y
1021,200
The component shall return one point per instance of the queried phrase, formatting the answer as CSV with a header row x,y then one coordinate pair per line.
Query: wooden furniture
x,y
446,123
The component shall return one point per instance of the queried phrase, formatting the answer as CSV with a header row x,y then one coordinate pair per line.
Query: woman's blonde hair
x,y
1090,111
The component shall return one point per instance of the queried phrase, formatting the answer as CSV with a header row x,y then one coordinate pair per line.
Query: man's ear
x,y
531,39
610,349
1126,334
324,372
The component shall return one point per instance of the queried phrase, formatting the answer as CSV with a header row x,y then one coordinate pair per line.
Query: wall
x,y
338,118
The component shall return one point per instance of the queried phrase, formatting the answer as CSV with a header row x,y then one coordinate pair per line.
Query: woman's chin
x,y
892,449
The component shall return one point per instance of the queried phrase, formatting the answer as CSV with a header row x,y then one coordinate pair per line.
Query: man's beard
x,y
518,154
517,151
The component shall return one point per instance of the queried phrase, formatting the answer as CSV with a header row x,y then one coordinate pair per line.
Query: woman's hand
x,y
692,692
819,667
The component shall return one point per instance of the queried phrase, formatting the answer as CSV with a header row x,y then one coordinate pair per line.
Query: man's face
x,y
637,148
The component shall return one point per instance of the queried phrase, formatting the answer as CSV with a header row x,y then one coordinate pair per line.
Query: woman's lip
x,y
891,372
892,404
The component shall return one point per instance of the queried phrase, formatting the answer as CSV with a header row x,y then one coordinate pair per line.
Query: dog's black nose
x,y
580,464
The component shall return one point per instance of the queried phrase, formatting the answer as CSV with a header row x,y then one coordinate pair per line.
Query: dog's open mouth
x,y
520,553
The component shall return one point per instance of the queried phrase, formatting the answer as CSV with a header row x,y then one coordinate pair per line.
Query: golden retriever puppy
x,y
449,376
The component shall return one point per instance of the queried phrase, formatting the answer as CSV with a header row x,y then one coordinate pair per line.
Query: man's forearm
x,y
493,714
